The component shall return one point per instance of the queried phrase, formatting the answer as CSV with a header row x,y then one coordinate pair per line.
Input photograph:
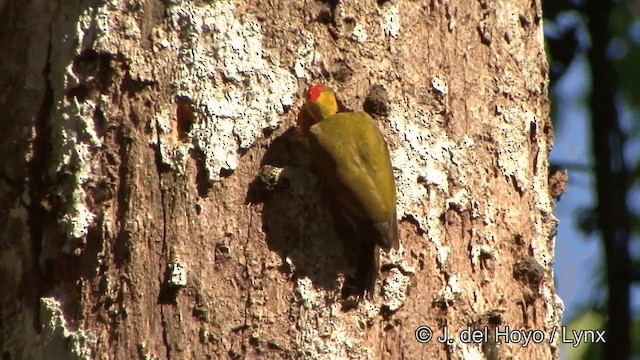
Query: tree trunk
x,y
134,224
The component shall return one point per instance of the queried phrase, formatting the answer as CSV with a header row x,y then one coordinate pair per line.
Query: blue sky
x,y
577,257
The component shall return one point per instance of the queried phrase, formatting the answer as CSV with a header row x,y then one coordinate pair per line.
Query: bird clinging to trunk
x,y
351,157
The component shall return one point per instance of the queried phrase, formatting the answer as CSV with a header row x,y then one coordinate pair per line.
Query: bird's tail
x,y
386,233
368,267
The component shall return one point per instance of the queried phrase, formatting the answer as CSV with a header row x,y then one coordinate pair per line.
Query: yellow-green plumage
x,y
351,156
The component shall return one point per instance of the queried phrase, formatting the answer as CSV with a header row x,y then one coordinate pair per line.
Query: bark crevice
x,y
38,189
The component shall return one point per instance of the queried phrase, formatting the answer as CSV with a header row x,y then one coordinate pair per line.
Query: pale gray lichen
x,y
370,311
321,330
554,315
481,251
421,164
394,290
513,154
459,200
391,22
177,274
423,158
305,291
59,342
514,157
359,33
439,85
451,291
235,90
74,140
74,137
468,351
308,58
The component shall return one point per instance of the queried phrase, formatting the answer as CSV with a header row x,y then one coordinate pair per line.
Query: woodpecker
x,y
351,157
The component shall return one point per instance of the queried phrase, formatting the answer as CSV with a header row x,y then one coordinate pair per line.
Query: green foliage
x,y
635,334
588,320
586,220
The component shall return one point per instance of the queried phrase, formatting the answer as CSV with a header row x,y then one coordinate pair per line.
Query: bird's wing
x,y
352,157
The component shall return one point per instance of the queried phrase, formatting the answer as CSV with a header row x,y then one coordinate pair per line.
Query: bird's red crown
x,y
315,91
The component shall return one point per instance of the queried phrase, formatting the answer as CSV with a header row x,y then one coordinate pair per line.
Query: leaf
x,y
588,320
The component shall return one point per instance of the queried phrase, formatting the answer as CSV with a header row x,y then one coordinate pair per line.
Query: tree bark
x,y
135,225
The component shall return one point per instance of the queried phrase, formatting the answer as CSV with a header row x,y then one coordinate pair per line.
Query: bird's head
x,y
321,102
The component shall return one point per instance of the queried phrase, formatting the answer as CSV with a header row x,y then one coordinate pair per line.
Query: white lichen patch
x,y
235,90
478,252
59,342
451,291
543,202
439,85
74,141
459,200
394,290
554,315
177,274
390,23
305,291
308,59
74,137
541,248
466,350
322,331
513,153
514,159
421,162
359,33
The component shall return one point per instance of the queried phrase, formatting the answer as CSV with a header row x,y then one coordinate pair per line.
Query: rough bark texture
x,y
132,223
